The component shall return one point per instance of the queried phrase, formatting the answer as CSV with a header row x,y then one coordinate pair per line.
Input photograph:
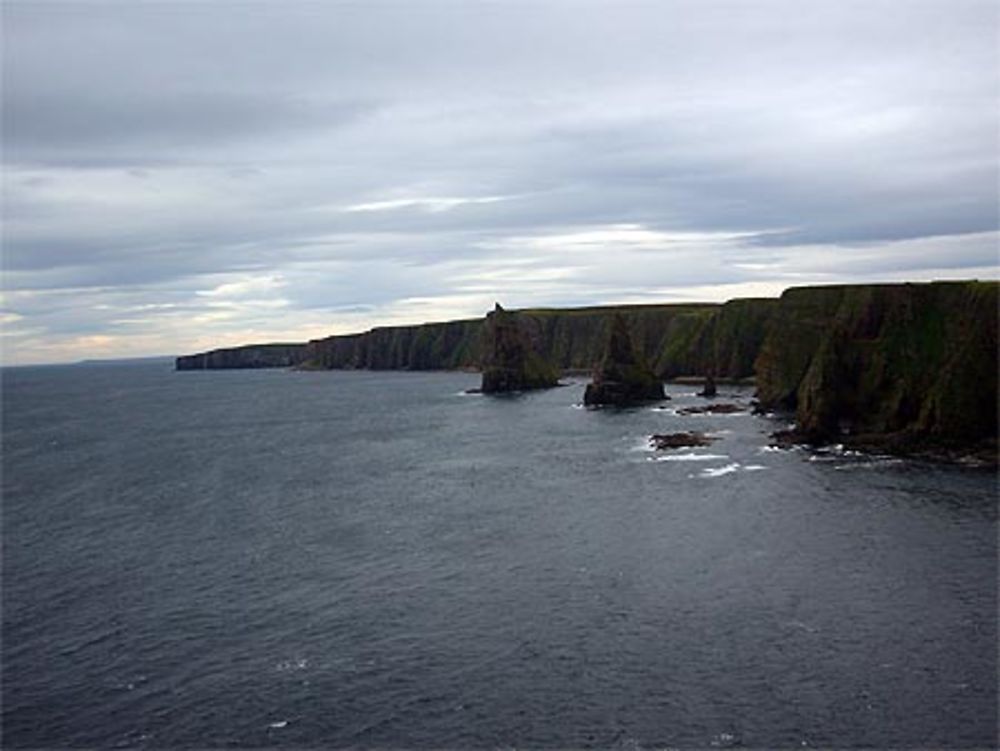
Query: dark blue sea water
x,y
278,559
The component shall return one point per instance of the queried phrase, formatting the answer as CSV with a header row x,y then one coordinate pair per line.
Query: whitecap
x,y
279,724
690,457
720,471
643,446
753,467
873,464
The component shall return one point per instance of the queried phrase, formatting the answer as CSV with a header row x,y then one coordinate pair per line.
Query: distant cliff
x,y
251,356
678,340
901,366
429,346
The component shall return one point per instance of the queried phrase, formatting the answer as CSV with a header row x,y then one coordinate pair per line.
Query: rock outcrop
x,y
665,441
903,367
509,359
622,377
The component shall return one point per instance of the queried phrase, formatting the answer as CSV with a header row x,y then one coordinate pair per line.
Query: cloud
x,y
432,204
307,167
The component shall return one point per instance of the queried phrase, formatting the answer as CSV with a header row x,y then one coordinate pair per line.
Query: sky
x,y
179,176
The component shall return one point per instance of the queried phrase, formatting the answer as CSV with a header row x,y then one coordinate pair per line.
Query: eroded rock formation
x,y
509,360
622,377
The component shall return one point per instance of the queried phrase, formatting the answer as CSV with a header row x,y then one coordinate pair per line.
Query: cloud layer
x,y
180,176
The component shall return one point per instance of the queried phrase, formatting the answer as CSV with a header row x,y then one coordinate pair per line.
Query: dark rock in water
x,y
712,409
662,441
709,389
622,377
509,360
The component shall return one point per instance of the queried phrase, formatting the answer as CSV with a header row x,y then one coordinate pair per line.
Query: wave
x,y
728,469
690,457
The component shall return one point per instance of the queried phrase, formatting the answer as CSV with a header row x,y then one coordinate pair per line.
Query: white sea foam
x,y
691,457
872,464
279,724
728,469
644,446
720,471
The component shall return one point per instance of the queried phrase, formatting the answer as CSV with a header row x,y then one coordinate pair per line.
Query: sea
x,y
278,559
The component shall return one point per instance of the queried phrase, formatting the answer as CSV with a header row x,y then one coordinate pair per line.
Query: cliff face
x,y
622,377
509,358
431,346
899,365
253,356
677,340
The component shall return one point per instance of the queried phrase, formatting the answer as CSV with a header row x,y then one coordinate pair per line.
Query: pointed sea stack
x,y
622,378
509,361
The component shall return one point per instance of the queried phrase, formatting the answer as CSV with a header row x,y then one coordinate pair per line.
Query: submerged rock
x,y
622,377
509,361
662,441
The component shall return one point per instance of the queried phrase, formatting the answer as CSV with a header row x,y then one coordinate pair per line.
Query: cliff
x,y
251,356
429,346
622,377
509,357
901,367
678,340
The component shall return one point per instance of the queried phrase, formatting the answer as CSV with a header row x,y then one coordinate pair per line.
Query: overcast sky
x,y
184,175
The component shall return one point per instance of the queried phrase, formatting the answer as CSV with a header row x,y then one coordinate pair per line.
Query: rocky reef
x,y
509,360
622,377
907,368
689,439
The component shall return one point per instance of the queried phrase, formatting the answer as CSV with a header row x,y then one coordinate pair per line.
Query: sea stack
x,y
509,361
622,377
708,390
